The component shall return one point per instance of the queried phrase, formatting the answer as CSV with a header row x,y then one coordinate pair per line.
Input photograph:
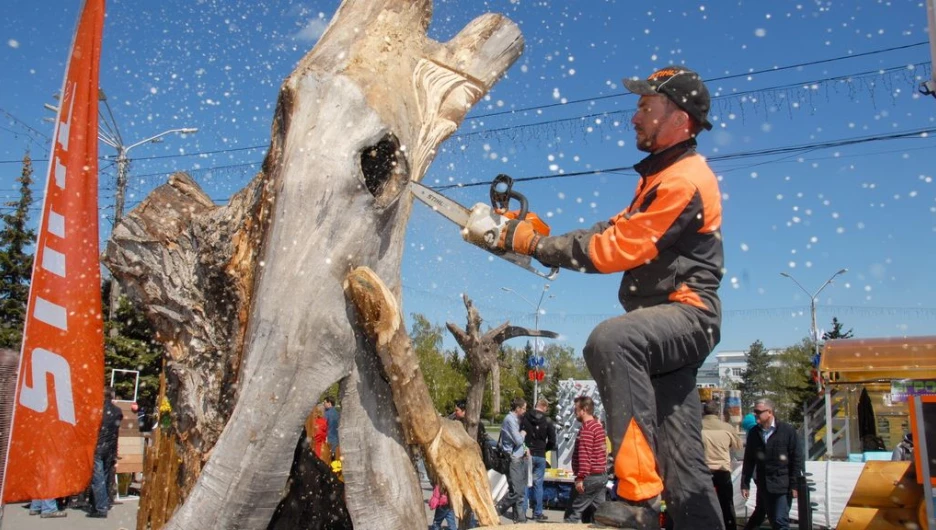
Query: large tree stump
x,y
481,351
248,297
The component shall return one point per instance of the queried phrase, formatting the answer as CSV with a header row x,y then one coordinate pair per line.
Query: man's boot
x,y
632,515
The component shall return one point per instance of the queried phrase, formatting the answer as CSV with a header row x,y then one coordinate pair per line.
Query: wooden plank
x,y
130,445
861,518
886,485
130,464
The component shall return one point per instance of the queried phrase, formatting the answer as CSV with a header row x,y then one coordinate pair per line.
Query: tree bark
x,y
450,453
248,297
481,351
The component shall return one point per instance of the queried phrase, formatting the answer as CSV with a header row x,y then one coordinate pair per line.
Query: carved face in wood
x,y
418,90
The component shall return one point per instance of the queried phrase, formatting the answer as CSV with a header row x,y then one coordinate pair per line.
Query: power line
x,y
917,133
219,151
722,78
793,149
24,125
786,150
202,170
804,85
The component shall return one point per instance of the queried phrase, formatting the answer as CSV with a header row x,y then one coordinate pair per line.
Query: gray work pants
x,y
595,492
516,494
645,365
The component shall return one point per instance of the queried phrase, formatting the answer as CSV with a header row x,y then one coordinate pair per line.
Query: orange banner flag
x,y
59,391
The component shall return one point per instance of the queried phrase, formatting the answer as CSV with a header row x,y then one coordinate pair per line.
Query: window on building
x,y
737,372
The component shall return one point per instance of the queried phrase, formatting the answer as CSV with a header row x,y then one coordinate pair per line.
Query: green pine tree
x,y
755,381
15,262
836,332
526,384
561,364
130,344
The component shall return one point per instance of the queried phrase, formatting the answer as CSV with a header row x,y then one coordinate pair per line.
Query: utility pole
x,y
929,87
109,133
123,165
537,358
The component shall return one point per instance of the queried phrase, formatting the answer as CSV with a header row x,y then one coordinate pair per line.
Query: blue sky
x,y
810,211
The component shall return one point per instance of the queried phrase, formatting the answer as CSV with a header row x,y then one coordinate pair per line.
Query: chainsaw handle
x,y
501,193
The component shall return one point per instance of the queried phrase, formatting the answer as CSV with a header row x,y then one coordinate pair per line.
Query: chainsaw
x,y
482,224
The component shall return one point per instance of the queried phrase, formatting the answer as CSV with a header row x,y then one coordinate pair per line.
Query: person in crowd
x,y
748,422
459,413
512,442
46,509
317,433
105,454
589,463
332,417
667,241
443,509
759,515
774,456
540,438
904,450
719,439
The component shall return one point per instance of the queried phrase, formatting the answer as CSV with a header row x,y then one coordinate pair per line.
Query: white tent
x,y
834,482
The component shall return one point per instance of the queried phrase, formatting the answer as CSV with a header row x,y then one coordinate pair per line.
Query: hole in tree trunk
x,y
384,168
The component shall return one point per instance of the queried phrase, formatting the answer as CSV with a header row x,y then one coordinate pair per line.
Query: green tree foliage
x,y
728,383
526,384
513,376
791,383
130,344
15,263
561,364
441,370
836,332
446,372
755,381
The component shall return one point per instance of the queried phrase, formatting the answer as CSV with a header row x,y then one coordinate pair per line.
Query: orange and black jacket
x,y
667,242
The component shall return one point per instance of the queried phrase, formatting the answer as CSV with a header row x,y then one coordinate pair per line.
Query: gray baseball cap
x,y
682,86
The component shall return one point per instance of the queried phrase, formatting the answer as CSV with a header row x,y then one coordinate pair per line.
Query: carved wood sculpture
x,y
450,453
248,297
481,351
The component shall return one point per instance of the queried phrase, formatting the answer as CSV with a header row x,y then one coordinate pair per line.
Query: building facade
x,y
725,369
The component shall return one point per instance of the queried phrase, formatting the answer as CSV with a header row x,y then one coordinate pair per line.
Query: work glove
x,y
522,237
519,237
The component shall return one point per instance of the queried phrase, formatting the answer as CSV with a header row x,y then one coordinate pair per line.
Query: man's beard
x,y
647,144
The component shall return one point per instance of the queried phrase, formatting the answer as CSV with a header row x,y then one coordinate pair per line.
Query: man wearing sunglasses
x,y
774,457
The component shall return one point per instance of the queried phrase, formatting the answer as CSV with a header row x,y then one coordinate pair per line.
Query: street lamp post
x,y
123,163
123,169
829,438
109,133
812,306
536,307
